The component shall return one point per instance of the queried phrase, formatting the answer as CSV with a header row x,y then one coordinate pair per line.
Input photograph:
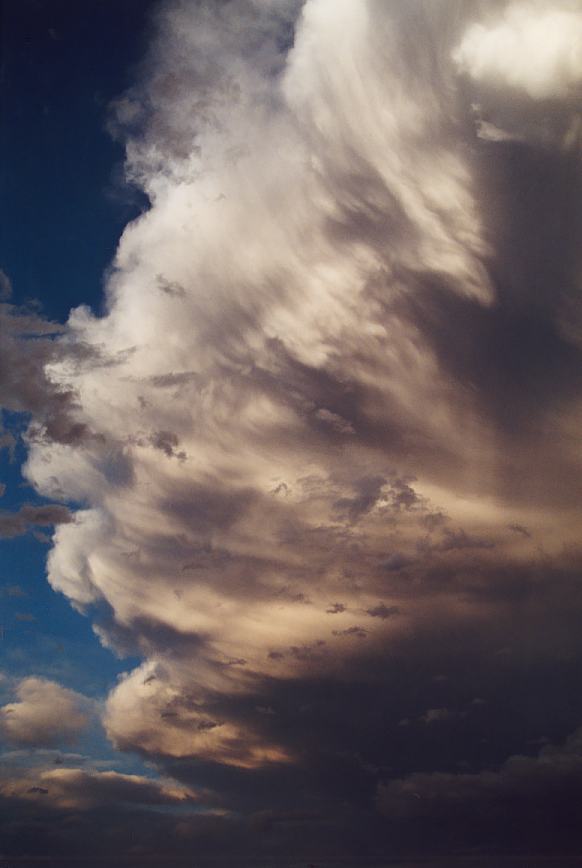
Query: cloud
x,y
76,788
535,47
29,344
44,714
29,515
335,608
5,286
519,785
314,229
435,715
330,376
166,717
288,363
383,611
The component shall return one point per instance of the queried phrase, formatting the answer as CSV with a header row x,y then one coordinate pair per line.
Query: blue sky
x,y
62,174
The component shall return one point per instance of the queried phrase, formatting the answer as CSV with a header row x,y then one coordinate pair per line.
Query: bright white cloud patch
x,y
535,47
43,714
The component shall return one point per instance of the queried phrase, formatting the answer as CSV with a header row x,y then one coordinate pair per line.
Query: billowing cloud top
x,y
535,47
326,430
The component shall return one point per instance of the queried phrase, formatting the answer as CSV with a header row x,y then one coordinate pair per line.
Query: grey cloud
x,y
167,442
396,561
44,515
5,286
15,591
366,495
44,714
29,344
520,784
335,608
436,715
382,611
8,441
354,630
459,539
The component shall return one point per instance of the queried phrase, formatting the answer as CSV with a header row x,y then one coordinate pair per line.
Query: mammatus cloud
x,y
324,439
44,714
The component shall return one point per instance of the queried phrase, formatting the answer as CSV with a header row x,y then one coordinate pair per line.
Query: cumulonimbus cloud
x,y
310,392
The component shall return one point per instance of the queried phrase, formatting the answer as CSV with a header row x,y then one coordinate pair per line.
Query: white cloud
x,y
534,47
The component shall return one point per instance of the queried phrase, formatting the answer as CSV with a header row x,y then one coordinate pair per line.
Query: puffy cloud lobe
x,y
44,714
160,715
536,48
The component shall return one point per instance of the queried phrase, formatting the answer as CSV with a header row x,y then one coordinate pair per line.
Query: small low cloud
x,y
44,714
355,631
437,715
383,611
5,286
29,516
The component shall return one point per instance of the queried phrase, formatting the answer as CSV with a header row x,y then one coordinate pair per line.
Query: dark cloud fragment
x,y
28,516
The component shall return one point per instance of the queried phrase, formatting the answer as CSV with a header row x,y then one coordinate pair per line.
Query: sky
x,y
290,377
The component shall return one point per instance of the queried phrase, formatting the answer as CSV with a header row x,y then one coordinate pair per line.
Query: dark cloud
x,y
30,515
383,611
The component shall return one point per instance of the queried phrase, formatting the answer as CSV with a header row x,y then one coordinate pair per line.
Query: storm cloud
x,y
322,445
